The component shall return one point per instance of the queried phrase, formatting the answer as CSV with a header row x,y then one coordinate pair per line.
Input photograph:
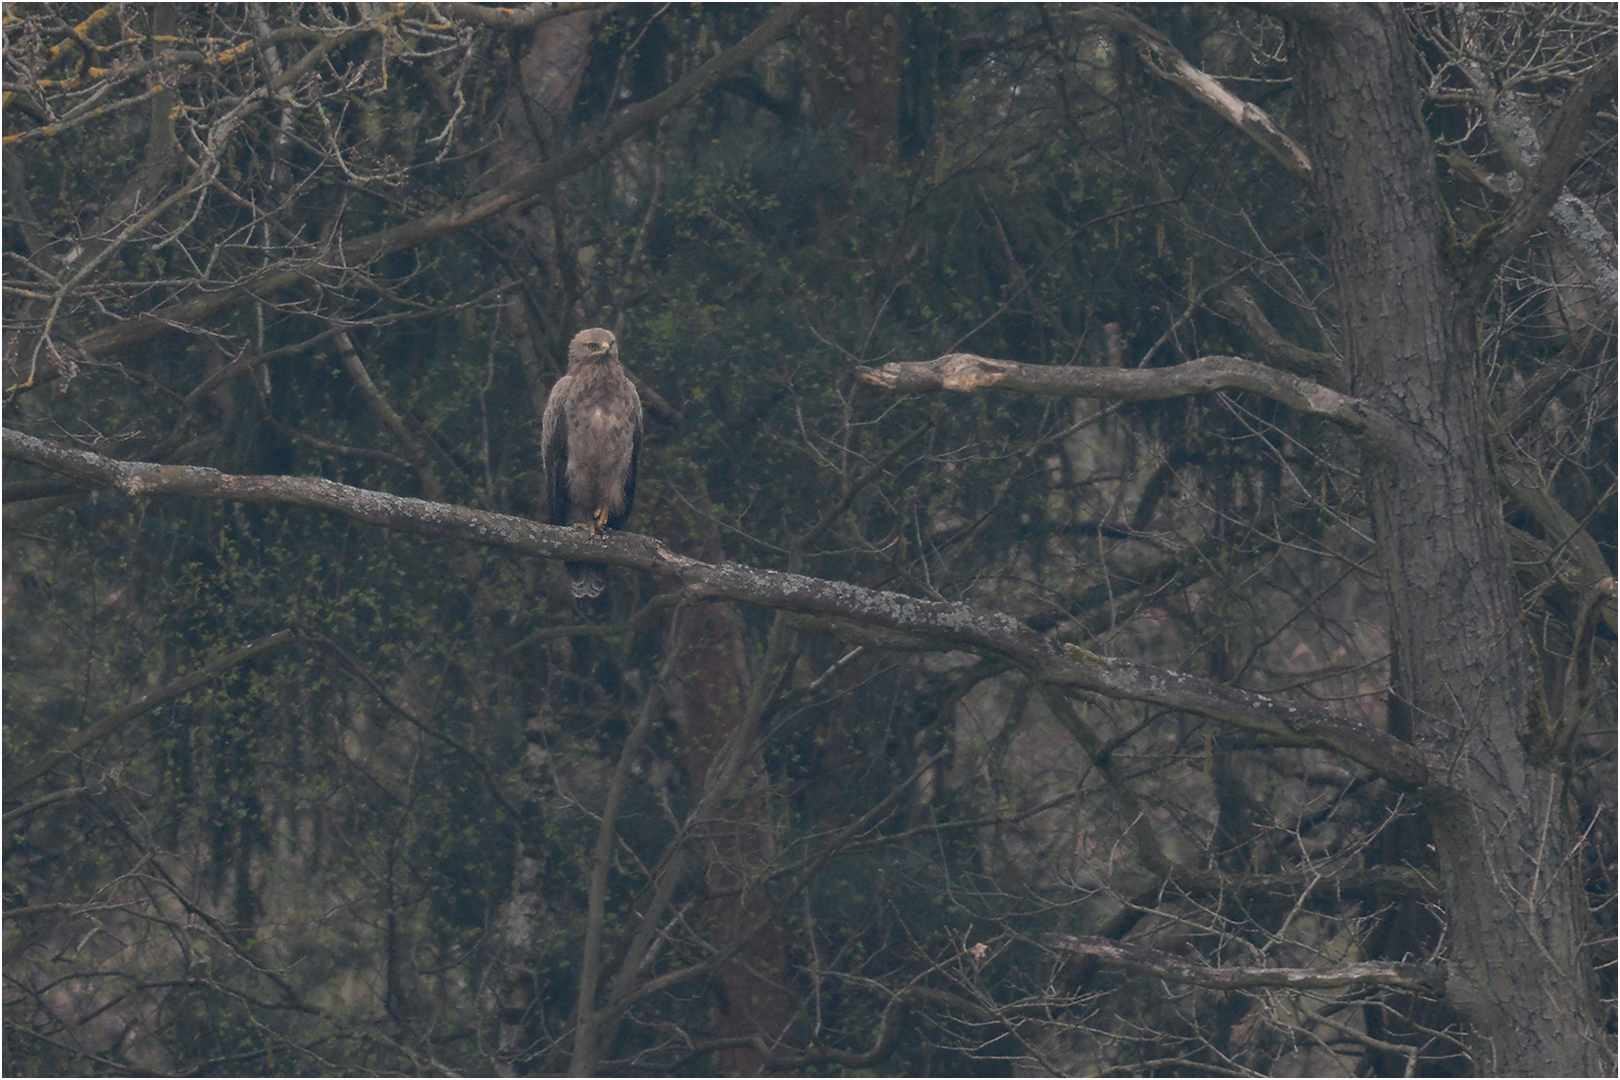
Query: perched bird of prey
x,y
590,442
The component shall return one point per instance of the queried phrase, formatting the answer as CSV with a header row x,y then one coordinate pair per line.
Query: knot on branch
x,y
953,371
1086,656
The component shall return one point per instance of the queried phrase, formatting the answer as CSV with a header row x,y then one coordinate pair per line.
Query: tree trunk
x,y
854,73
737,841
1518,922
709,701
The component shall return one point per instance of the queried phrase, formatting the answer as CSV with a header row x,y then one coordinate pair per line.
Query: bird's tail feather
x,y
586,580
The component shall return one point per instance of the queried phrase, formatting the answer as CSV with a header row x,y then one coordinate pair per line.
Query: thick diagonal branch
x,y
940,623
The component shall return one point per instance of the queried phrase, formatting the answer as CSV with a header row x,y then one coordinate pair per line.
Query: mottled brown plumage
x,y
590,443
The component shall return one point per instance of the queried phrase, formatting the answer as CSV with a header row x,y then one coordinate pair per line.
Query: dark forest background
x,y
413,813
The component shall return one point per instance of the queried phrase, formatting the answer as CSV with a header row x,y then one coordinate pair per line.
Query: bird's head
x,y
592,345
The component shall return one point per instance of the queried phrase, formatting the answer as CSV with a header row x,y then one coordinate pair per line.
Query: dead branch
x,y
1421,978
1165,61
967,372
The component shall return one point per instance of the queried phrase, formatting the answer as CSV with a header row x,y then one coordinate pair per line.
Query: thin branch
x,y
1421,978
524,17
43,801
588,1020
1236,303
415,449
1560,529
107,725
1149,846
359,671
246,363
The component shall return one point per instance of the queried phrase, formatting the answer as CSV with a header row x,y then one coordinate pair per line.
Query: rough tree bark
x,y
1517,919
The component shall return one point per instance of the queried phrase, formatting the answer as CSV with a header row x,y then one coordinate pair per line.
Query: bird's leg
x,y
600,519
